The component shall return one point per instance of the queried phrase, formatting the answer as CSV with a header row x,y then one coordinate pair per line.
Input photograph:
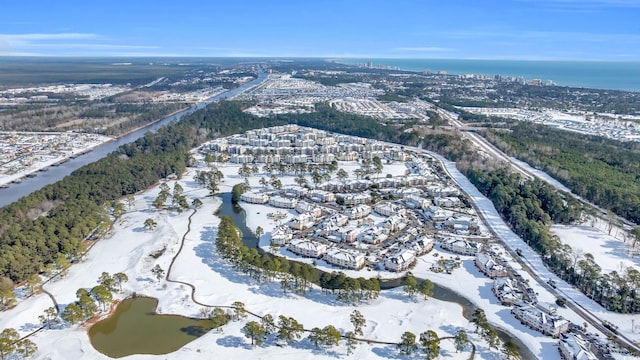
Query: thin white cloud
x,y
93,46
425,49
46,37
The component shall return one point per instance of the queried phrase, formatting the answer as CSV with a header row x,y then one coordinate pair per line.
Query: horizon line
x,y
326,58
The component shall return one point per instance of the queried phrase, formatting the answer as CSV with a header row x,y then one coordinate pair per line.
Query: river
x,y
56,173
238,215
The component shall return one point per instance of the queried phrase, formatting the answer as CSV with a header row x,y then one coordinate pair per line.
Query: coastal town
x,y
342,204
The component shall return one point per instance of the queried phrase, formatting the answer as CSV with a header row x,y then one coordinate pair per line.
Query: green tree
x,y
430,344
350,341
426,288
62,263
330,335
102,294
7,299
410,284
259,232
461,340
510,350
407,343
26,348
32,284
197,203
342,174
289,329
158,272
491,337
72,314
239,311
268,324
150,224
275,183
358,321
50,317
130,200
315,336
254,331
479,319
118,209
218,319
107,281
8,342
120,278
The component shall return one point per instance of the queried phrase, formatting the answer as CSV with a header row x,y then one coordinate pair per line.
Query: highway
x,y
525,261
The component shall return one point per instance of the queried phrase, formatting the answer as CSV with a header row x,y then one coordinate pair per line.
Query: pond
x,y
135,328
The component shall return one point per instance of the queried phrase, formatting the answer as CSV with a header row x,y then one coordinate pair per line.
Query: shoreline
x,y
6,180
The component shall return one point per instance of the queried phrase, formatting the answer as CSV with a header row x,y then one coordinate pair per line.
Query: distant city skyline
x,y
462,29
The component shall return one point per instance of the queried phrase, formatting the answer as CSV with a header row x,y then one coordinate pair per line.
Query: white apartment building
x,y
344,258
389,209
281,235
461,246
302,221
400,261
536,319
358,212
282,202
307,248
254,197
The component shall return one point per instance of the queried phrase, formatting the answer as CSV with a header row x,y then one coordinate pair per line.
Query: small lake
x,y
135,328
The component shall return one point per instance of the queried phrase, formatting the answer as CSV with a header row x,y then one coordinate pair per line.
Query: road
x,y
526,261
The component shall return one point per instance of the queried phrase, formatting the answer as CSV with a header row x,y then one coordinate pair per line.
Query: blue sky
x,y
461,29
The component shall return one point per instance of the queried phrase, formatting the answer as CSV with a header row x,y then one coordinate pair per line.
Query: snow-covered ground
x,y
533,260
217,284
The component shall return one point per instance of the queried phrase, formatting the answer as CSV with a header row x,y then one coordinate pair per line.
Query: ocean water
x,y
616,75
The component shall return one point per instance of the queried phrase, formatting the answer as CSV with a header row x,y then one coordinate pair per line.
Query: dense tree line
x,y
529,207
293,276
606,172
55,220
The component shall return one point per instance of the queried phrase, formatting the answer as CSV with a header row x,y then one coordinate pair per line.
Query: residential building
x,y
461,246
574,347
507,291
307,248
304,207
416,202
374,235
349,235
254,197
356,199
447,202
395,223
344,258
321,196
400,261
358,212
421,245
282,202
302,221
388,209
536,319
294,191
281,235
488,266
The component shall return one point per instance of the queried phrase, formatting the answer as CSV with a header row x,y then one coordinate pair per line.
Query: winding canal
x,y
238,215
